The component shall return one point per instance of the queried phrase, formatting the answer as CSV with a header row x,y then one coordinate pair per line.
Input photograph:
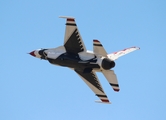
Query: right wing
x,y
73,41
116,55
112,79
92,81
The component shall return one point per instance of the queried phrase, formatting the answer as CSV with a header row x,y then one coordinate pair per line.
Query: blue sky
x,y
33,89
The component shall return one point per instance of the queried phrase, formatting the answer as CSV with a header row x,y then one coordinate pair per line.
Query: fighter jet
x,y
85,63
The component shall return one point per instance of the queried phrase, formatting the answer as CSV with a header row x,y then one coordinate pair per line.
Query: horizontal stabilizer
x,y
116,55
111,77
98,48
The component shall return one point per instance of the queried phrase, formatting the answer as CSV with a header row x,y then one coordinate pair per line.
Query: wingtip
x,y
95,40
100,101
66,17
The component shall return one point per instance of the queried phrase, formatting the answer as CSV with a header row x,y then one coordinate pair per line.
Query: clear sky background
x,y
33,89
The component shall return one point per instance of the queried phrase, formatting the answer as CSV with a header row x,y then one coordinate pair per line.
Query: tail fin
x,y
116,55
98,48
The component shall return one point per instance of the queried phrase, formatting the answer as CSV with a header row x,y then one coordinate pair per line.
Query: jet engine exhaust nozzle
x,y
107,64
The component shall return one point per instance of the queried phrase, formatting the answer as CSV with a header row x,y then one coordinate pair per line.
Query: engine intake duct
x,y
107,64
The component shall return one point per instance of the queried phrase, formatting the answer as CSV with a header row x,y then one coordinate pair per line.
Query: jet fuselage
x,y
73,54
67,59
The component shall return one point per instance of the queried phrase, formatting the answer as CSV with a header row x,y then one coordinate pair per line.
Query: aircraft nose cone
x,y
32,53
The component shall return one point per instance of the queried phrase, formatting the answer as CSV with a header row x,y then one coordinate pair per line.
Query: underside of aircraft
x,y
73,54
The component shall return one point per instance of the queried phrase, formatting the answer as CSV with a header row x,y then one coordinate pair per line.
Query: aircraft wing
x,y
73,41
92,81
116,55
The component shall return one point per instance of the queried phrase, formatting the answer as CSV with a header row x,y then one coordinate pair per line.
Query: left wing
x,y
73,41
92,81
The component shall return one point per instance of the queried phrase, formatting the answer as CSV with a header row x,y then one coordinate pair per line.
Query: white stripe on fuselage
x,y
86,55
54,53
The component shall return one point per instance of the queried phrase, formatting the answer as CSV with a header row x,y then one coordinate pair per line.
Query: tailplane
x,y
112,79
109,74
98,48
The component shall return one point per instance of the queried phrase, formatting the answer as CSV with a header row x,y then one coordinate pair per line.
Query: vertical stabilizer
x,y
116,55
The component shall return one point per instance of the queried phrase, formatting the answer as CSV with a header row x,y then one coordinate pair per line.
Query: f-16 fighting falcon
x,y
85,63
